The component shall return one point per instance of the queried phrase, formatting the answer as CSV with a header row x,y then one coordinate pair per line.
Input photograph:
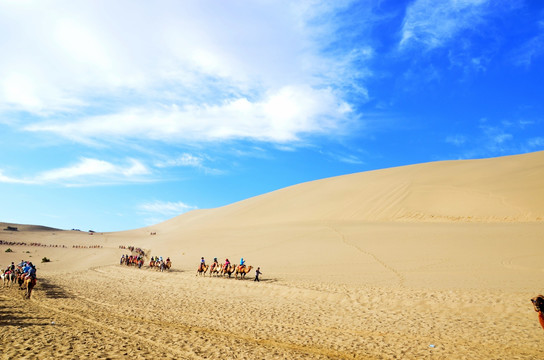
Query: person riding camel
x,y
242,263
202,264
31,273
227,264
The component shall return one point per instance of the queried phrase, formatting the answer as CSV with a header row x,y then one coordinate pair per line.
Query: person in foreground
x,y
538,303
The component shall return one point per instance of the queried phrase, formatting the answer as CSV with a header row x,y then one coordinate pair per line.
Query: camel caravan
x,y
24,274
224,269
156,262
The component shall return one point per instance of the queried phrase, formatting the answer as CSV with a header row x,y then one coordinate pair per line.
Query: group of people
x,y
25,270
156,262
135,260
226,265
22,243
137,250
159,263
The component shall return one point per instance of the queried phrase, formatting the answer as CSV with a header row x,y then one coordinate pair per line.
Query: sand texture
x,y
430,261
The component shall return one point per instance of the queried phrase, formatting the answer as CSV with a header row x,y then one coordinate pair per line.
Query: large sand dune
x,y
435,260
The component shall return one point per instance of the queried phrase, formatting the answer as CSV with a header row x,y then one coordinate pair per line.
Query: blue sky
x,y
118,115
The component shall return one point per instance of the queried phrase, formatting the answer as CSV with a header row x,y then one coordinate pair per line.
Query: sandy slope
x,y
379,265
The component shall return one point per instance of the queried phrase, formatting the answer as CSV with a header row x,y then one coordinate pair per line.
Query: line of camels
x,y
224,270
10,277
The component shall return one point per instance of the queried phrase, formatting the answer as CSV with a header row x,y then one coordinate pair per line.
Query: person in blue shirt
x,y
242,263
31,273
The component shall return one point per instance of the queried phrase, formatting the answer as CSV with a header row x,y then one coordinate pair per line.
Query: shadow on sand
x,y
12,313
53,291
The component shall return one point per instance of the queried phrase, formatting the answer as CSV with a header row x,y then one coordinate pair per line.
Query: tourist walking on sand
x,y
257,273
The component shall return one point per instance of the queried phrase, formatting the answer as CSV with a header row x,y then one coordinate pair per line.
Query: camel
x,y
202,269
29,285
228,270
8,277
215,268
538,304
4,278
243,271
20,278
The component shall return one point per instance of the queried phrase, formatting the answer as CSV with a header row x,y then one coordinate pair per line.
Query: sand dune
x,y
499,189
435,260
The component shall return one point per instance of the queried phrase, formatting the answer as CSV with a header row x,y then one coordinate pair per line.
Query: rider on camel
x,y
202,263
242,263
227,264
31,273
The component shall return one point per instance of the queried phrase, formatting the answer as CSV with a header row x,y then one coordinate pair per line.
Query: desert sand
x,y
429,261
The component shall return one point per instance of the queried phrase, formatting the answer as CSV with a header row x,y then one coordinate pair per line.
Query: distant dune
x,y
23,227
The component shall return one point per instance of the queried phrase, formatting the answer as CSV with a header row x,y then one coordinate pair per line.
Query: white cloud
x,y
166,208
433,23
82,55
93,167
86,172
282,116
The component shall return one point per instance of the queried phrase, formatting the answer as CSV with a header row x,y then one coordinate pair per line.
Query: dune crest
x,y
506,189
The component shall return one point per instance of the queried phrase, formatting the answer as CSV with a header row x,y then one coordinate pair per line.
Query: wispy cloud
x,y
536,143
434,23
12,180
184,159
188,160
497,138
94,167
531,49
87,172
282,116
165,208
457,139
